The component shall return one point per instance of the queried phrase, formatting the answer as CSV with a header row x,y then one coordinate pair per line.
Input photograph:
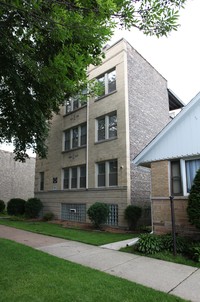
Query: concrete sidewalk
x,y
176,279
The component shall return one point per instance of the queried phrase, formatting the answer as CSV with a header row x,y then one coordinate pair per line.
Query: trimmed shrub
x,y
193,209
2,206
132,214
48,216
16,206
33,207
149,244
98,213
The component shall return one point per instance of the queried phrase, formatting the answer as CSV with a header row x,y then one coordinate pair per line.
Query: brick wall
x,y
16,178
148,114
160,179
161,209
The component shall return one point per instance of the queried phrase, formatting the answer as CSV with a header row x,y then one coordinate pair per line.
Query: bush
x,y
194,252
181,243
132,214
33,207
149,244
16,206
48,216
2,206
193,209
98,213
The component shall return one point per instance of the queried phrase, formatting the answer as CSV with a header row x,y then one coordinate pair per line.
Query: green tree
x,y
193,208
45,48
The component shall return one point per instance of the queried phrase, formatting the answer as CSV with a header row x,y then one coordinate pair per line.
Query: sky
x,y
176,57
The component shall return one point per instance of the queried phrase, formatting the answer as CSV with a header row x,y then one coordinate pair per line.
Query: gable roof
x,y
180,138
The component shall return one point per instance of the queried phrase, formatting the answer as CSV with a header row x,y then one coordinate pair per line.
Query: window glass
x,y
101,88
113,173
83,135
41,181
68,106
101,175
191,168
67,140
74,178
101,129
82,176
112,126
176,178
75,137
75,103
66,179
111,81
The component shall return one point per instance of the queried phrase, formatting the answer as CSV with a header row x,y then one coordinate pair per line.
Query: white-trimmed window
x,y
75,137
74,177
183,172
76,102
106,127
107,82
107,173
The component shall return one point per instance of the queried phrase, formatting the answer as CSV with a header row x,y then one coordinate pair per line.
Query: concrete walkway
x,y
176,279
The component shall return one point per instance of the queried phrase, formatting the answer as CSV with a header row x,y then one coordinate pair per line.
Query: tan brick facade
x,y
145,92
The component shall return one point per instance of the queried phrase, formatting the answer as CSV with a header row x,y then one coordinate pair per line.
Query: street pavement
x,y
172,278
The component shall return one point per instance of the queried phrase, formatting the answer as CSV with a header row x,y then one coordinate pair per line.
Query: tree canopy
x,y
45,49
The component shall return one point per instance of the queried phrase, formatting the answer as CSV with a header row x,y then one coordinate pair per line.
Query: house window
x,y
191,166
183,173
107,82
75,137
74,177
76,102
176,178
107,174
41,187
107,127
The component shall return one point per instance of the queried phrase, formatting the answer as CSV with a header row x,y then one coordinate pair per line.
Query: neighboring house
x,y
16,178
174,158
91,144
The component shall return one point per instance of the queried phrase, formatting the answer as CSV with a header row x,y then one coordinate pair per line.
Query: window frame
x,y
183,174
74,103
71,139
106,127
105,77
41,181
106,174
77,177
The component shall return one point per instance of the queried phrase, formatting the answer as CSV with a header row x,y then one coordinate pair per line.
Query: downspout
x,y
87,142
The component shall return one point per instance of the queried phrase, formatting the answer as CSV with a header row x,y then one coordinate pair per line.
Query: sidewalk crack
x,y
171,290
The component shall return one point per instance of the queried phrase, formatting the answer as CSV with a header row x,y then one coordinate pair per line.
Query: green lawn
x,y
89,237
30,275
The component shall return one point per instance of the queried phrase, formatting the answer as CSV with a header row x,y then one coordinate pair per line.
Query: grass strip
x,y
31,275
90,237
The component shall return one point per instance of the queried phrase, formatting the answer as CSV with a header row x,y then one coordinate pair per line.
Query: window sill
x,y
77,109
105,95
74,149
106,140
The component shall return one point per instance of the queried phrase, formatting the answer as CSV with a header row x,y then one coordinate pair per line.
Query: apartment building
x,y
91,143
